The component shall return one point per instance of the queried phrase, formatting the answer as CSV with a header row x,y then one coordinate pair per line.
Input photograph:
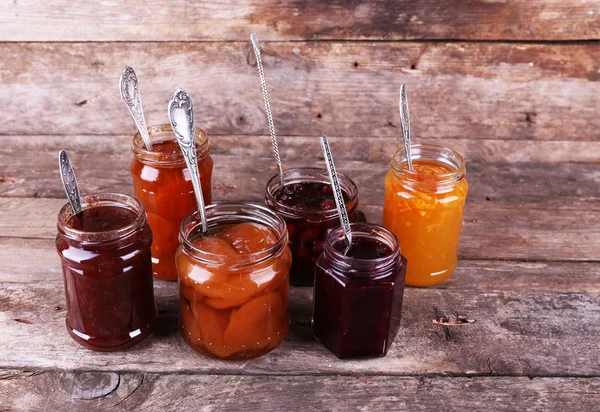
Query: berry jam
x,y
358,297
107,272
309,209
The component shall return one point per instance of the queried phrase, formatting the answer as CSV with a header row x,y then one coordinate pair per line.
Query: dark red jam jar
x,y
358,296
306,204
107,271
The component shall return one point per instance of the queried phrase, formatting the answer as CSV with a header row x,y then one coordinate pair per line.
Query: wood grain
x,y
38,391
58,20
522,333
349,89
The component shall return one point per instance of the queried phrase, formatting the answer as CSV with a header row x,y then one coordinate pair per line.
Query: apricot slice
x,y
248,237
189,293
212,324
162,231
252,324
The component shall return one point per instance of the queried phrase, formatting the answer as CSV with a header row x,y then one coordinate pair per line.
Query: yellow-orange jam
x,y
424,209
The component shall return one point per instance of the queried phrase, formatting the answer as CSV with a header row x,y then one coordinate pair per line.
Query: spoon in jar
x,y
263,82
337,193
405,120
130,92
181,116
69,181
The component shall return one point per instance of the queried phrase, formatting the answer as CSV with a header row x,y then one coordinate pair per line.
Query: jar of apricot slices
x,y
307,205
424,209
162,182
233,282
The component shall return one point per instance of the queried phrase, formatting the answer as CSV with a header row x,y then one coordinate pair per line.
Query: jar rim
x,y
438,154
309,174
363,229
228,212
164,133
96,200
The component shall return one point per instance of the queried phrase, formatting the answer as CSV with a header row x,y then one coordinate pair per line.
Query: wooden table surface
x,y
514,86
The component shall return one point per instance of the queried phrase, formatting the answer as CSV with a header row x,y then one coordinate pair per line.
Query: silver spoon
x,y
69,181
181,115
263,82
130,92
405,120
337,193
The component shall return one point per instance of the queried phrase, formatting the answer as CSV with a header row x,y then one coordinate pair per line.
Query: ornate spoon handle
x,y
130,92
69,181
337,192
263,83
405,120
181,115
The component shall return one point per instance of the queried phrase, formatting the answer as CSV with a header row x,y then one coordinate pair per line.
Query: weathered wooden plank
x,y
101,391
520,333
475,275
466,90
58,20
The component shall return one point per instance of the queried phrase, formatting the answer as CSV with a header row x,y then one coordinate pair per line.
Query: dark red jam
x,y
358,297
107,270
310,213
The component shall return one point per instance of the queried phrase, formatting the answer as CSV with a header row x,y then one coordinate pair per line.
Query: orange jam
x,y
234,291
162,182
424,209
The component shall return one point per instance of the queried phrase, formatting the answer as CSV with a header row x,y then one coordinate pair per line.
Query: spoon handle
x,y
181,115
69,181
263,83
130,92
337,192
405,120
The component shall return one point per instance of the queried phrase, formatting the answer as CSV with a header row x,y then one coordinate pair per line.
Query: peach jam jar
x,y
306,204
107,271
162,182
234,282
424,208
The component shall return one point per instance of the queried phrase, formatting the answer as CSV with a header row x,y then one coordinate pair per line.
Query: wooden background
x,y
513,85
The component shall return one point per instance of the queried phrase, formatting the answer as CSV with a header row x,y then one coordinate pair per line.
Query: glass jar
x,y
234,303
162,182
308,226
107,271
424,208
357,298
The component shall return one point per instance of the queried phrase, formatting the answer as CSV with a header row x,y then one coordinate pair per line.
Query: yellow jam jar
x,y
424,209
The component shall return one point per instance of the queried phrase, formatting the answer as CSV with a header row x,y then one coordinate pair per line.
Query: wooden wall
x,y
501,81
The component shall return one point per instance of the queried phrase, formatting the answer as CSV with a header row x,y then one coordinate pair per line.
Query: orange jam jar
x,y
424,209
162,182
233,283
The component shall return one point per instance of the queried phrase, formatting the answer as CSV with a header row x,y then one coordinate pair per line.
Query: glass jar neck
x,y
174,158
434,155
303,175
362,268
100,200
224,214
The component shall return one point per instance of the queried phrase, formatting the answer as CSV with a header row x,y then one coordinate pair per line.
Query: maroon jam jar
x,y
306,204
107,271
357,296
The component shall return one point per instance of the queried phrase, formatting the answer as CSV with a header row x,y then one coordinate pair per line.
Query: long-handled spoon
x,y
405,120
337,193
263,82
69,181
130,92
181,115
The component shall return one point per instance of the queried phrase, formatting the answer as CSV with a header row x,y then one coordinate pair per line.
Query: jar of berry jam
x,y
162,182
107,270
424,208
234,283
357,296
307,205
